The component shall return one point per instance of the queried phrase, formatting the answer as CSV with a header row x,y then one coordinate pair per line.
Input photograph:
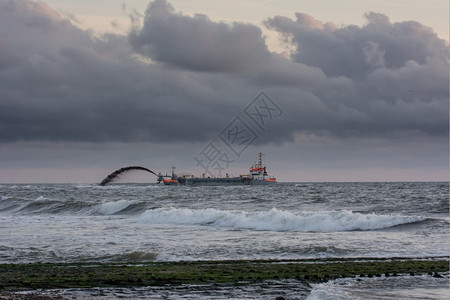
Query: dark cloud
x,y
60,83
184,78
383,77
199,44
196,42
354,51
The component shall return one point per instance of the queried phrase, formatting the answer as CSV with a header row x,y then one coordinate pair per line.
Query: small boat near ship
x,y
257,176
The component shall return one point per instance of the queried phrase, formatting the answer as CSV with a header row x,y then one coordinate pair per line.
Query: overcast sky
x,y
361,95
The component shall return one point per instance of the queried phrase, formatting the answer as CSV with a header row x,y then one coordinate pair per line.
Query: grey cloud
x,y
353,51
392,76
197,43
59,83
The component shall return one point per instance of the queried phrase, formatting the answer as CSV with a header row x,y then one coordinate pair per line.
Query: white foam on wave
x,y
109,187
275,219
85,186
402,287
108,208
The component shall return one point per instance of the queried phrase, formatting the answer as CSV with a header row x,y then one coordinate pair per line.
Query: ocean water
x,y
150,222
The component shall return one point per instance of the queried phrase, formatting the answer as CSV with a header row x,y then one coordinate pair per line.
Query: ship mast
x,y
259,165
173,172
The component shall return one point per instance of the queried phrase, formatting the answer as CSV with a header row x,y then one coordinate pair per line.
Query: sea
x,y
62,223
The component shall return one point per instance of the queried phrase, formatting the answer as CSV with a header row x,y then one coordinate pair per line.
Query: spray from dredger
x,y
125,169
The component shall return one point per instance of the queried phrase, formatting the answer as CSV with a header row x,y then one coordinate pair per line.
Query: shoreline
x,y
26,277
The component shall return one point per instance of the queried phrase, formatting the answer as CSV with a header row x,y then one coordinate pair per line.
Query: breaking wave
x,y
43,205
270,220
109,208
276,220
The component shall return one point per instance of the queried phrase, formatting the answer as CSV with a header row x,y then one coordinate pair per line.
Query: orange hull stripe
x,y
169,180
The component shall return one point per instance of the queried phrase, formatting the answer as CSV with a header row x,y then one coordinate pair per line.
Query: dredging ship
x,y
257,176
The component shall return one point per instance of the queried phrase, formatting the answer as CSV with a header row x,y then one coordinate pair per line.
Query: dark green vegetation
x,y
32,276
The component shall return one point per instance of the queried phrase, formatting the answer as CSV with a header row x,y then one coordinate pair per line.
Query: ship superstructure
x,y
257,176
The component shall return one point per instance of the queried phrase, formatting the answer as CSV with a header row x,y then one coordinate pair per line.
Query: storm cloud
x,y
197,43
184,78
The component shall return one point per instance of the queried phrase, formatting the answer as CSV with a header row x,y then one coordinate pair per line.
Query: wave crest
x,y
275,219
109,208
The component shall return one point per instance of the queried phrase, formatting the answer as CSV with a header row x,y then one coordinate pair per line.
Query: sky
x,y
327,90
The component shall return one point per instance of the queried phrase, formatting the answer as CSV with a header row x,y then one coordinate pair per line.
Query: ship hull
x,y
258,176
218,181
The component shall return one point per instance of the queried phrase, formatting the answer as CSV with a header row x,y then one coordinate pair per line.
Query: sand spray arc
x,y
111,176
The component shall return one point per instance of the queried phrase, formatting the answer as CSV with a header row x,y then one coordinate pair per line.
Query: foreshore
x,y
20,277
